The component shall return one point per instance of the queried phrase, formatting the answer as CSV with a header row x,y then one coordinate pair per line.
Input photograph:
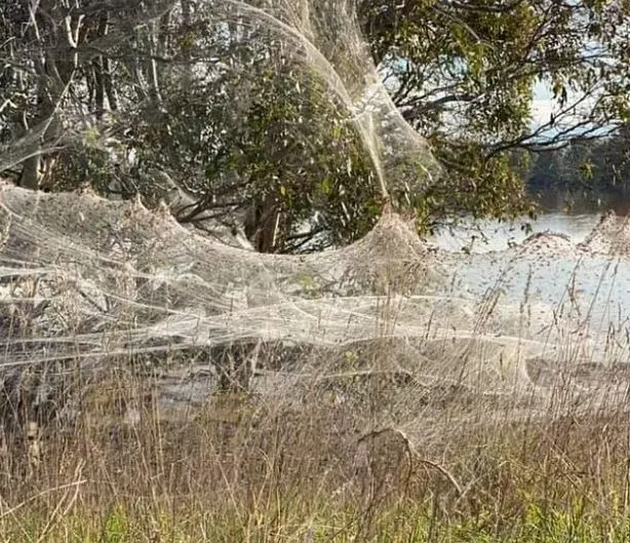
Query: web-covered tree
x,y
462,73
241,123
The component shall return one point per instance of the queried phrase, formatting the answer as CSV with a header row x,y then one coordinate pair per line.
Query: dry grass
x,y
249,469
359,449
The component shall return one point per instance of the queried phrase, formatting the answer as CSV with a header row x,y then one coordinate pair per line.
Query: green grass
x,y
409,523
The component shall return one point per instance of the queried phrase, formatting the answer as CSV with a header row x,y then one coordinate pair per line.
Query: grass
x,y
296,520
392,461
400,525
247,470
364,451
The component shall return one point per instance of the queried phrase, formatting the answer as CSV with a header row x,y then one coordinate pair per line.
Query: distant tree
x,y
591,170
547,171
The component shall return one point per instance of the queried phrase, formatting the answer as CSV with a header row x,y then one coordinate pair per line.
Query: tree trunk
x,y
262,225
29,179
49,31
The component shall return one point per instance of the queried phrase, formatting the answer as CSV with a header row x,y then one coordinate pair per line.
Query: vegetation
x,y
241,126
254,470
251,134
132,99
588,170
463,76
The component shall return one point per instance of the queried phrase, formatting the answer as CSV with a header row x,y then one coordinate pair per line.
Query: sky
x,y
542,105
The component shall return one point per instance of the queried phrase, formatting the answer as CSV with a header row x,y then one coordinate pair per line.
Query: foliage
x,y
463,75
594,169
244,131
465,70
296,155
241,128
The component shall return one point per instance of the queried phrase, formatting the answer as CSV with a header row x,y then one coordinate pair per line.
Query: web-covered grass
x,y
159,385
129,285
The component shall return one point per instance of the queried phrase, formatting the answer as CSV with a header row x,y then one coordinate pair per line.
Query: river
x,y
490,235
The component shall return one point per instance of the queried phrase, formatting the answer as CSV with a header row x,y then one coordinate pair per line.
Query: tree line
x,y
591,169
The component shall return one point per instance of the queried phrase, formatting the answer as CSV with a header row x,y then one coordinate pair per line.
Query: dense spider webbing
x,y
91,281
88,282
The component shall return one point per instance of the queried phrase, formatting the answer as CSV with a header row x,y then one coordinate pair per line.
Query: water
x,y
558,280
488,235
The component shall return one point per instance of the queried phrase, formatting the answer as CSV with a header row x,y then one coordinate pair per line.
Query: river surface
x,y
487,235
562,275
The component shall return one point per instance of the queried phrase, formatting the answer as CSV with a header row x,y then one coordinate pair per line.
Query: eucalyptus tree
x,y
463,74
234,117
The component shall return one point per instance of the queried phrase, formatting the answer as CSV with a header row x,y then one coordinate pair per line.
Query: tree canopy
x,y
463,74
247,132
